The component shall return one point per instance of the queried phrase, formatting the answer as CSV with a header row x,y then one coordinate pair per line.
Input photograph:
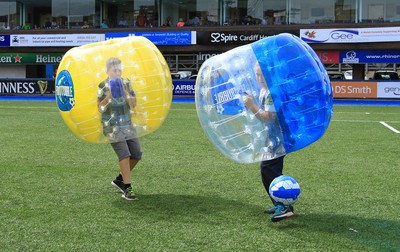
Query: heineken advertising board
x,y
30,58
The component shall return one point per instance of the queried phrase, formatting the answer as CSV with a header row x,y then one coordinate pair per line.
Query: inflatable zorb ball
x,y
296,91
284,190
136,68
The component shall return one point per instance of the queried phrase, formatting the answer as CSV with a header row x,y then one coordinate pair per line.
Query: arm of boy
x,y
130,94
131,98
103,104
261,114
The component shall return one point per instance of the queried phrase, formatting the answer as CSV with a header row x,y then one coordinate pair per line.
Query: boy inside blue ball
x,y
270,168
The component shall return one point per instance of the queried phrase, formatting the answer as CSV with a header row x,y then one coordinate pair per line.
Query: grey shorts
x,y
129,148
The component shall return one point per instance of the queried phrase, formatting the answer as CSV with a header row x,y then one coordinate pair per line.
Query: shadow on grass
x,y
189,208
377,234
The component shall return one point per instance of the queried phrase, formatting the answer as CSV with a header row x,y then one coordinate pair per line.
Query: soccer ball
x,y
284,190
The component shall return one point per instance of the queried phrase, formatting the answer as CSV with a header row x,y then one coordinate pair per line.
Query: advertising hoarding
x,y
53,40
369,56
36,86
366,89
30,58
351,35
160,38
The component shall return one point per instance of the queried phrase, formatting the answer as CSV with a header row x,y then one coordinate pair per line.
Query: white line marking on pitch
x,y
389,127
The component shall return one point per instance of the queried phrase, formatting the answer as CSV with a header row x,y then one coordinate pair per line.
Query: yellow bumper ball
x,y
114,90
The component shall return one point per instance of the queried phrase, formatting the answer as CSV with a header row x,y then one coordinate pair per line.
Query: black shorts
x,y
129,148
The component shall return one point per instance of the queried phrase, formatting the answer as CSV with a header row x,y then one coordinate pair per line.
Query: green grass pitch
x,y
56,193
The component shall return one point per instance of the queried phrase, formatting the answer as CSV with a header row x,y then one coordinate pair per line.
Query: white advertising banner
x,y
388,90
351,35
50,40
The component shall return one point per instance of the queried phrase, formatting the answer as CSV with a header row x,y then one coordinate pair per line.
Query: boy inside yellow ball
x,y
116,100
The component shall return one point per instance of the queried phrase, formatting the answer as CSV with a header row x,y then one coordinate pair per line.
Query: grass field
x,y
56,193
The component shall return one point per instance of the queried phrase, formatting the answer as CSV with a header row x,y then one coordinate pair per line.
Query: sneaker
x,y
128,194
281,213
272,210
118,184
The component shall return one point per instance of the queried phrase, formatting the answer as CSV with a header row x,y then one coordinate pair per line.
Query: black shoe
x,y
281,213
128,194
118,184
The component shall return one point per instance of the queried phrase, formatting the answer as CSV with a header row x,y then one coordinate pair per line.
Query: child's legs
x,y
123,153
129,153
135,152
271,169
132,163
124,168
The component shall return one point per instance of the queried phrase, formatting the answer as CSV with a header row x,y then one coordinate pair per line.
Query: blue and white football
x,y
285,190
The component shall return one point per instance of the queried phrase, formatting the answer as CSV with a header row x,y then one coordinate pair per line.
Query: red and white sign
x,y
329,57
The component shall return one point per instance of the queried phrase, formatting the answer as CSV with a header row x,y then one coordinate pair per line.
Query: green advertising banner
x,y
30,58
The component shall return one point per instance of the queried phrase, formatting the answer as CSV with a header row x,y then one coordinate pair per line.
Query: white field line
x,y
362,121
367,113
389,127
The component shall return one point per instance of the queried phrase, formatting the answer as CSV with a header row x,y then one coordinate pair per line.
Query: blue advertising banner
x,y
160,38
4,40
183,88
367,56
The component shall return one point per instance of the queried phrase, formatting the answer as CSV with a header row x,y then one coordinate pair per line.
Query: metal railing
x,y
182,62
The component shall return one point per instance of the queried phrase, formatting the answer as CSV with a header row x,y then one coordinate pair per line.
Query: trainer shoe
x,y
272,210
128,194
281,213
118,184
